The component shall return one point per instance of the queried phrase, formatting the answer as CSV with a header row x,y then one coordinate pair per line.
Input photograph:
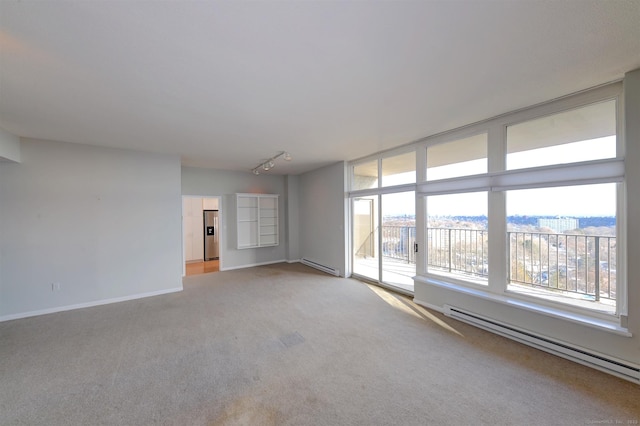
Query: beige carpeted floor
x,y
286,345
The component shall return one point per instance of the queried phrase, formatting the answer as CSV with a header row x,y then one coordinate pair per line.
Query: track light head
x,y
270,163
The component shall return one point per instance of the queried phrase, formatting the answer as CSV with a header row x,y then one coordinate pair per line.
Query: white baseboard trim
x,y
294,261
251,265
88,304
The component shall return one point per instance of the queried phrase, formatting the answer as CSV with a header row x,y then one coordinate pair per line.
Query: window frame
x,y
498,180
379,188
456,137
378,192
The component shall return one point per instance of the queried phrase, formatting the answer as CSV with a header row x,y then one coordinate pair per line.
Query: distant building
x,y
559,224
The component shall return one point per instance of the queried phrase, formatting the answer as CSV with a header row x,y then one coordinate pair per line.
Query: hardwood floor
x,y
195,268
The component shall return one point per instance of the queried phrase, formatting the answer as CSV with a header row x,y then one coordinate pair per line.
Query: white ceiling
x,y
228,84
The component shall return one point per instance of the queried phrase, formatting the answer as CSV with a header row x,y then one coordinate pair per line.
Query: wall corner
x,y
9,147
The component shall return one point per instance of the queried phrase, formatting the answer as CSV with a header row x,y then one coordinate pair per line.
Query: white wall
x,y
622,347
103,223
210,204
9,146
292,204
322,216
211,182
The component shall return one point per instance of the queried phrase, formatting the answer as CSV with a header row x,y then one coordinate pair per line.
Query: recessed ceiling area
x,y
228,85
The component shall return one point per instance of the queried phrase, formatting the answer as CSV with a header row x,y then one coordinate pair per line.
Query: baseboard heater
x,y
620,368
321,267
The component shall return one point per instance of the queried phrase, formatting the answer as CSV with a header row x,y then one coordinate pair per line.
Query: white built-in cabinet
x,y
257,217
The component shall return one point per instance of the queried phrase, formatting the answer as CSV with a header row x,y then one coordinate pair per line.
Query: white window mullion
x,y
474,183
421,213
592,172
379,224
497,221
622,303
387,190
379,237
601,171
621,231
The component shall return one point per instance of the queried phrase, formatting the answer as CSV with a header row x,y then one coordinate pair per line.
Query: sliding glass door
x,y
383,219
366,260
398,236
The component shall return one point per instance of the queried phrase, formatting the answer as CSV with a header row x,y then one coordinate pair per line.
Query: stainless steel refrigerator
x,y
211,238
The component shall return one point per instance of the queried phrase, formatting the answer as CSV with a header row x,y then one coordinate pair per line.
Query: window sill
x,y
611,326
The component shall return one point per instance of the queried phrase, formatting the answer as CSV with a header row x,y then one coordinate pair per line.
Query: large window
x,y
562,232
365,176
462,157
399,239
581,134
457,237
529,207
365,236
523,208
562,244
399,169
383,220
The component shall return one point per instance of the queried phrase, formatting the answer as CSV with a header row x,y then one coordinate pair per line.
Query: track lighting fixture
x,y
270,163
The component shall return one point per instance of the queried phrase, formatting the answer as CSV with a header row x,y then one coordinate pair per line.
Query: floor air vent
x,y
320,267
601,362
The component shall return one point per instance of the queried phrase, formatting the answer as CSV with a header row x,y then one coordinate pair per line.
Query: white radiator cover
x,y
320,267
608,364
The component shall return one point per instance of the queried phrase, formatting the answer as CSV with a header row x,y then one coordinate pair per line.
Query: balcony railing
x,y
462,251
584,265
581,264
398,242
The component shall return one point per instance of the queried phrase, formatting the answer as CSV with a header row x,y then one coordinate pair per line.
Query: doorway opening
x,y
202,267
201,236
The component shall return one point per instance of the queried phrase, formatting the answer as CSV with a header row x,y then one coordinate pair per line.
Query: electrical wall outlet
x,y
55,286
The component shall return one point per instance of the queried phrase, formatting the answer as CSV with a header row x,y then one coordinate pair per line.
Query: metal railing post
x,y
597,256
449,243
408,244
508,257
